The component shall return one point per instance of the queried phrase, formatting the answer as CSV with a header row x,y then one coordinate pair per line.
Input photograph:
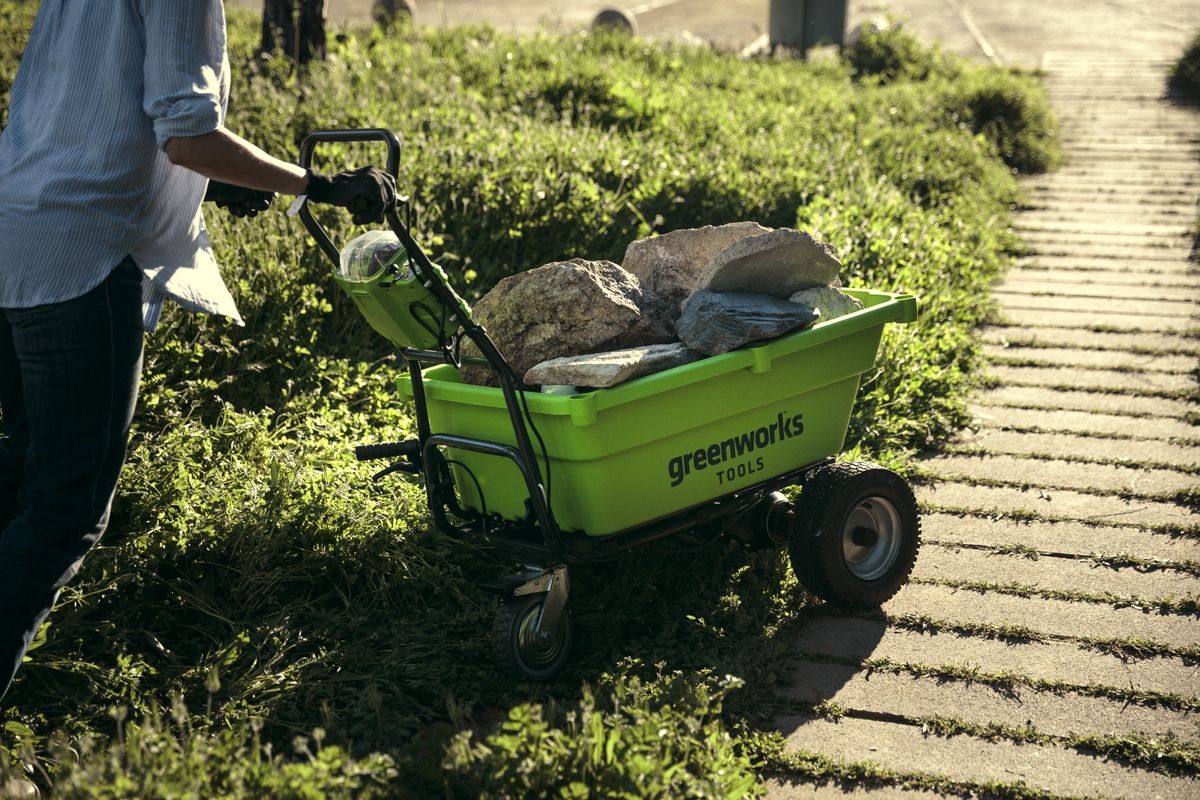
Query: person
x,y
115,135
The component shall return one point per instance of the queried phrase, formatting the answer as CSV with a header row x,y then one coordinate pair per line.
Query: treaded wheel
x,y
519,648
856,534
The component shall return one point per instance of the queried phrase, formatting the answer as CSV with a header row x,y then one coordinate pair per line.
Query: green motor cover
x,y
375,272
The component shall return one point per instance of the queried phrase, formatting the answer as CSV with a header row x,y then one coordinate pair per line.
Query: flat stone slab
x,y
1106,380
1057,617
1084,320
1095,291
1049,473
1130,452
601,370
1070,265
780,787
1157,343
1047,244
1082,400
1133,304
1052,574
906,748
1084,423
717,322
856,639
914,696
669,265
1054,504
779,264
1090,359
1058,537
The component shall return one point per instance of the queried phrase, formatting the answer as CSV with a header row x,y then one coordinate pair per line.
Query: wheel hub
x,y
871,538
538,648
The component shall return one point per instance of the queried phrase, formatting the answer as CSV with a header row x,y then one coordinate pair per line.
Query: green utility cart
x,y
696,452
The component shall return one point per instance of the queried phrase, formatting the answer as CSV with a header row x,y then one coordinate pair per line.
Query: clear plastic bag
x,y
365,256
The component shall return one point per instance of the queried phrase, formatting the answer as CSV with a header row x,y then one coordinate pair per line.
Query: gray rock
x,y
779,263
600,370
669,265
563,309
831,302
716,322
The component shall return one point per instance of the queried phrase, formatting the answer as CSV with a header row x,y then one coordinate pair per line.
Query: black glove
x,y
366,193
238,200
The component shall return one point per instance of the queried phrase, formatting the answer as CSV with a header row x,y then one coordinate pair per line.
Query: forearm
x,y
226,157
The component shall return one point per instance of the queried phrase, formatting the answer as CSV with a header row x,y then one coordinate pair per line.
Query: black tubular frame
x,y
536,540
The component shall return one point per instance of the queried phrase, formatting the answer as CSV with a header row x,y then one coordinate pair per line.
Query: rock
x,y
831,302
716,322
778,263
600,370
565,308
669,265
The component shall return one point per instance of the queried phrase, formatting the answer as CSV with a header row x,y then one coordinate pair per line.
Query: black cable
x,y
478,489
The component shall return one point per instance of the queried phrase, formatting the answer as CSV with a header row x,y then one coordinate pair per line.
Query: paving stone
x,y
1054,504
1133,303
1094,291
1129,452
1084,422
1094,359
1104,380
1023,317
1063,337
1038,222
1071,264
1056,617
783,788
1046,244
1052,574
857,639
916,696
1058,537
1033,276
1036,472
1081,400
1051,769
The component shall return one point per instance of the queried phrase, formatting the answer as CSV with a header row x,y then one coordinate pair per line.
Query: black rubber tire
x,y
513,648
818,546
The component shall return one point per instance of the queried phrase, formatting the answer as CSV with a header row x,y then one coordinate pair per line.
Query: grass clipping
x,y
259,585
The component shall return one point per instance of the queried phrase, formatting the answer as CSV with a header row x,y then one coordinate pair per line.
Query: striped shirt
x,y
84,181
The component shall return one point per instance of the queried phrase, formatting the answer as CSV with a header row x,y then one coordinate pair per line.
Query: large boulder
x,y
600,370
778,263
669,265
716,322
565,308
831,302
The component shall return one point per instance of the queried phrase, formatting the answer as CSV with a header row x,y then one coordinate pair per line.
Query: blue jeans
x,y
69,377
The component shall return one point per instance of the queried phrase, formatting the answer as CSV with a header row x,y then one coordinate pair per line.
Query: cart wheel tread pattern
x,y
856,534
515,645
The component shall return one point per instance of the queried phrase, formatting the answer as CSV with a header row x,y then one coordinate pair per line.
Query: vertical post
x,y
798,25
786,26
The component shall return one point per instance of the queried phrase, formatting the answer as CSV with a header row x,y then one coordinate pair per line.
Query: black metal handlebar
x,y
309,146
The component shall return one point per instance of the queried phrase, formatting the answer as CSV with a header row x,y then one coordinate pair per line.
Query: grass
x,y
261,618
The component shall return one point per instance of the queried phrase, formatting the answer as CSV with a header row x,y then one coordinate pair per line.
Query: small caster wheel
x,y
856,534
518,644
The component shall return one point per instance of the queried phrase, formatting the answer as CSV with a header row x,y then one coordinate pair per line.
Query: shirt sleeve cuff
x,y
191,116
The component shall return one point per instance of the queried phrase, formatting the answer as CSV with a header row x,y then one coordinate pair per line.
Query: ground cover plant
x,y
263,620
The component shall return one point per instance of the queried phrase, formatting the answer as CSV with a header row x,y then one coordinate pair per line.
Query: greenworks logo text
x,y
783,428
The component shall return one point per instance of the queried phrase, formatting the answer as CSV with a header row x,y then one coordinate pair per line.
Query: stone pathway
x,y
1053,609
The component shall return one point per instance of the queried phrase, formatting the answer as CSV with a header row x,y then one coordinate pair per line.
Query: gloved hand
x,y
238,200
366,193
